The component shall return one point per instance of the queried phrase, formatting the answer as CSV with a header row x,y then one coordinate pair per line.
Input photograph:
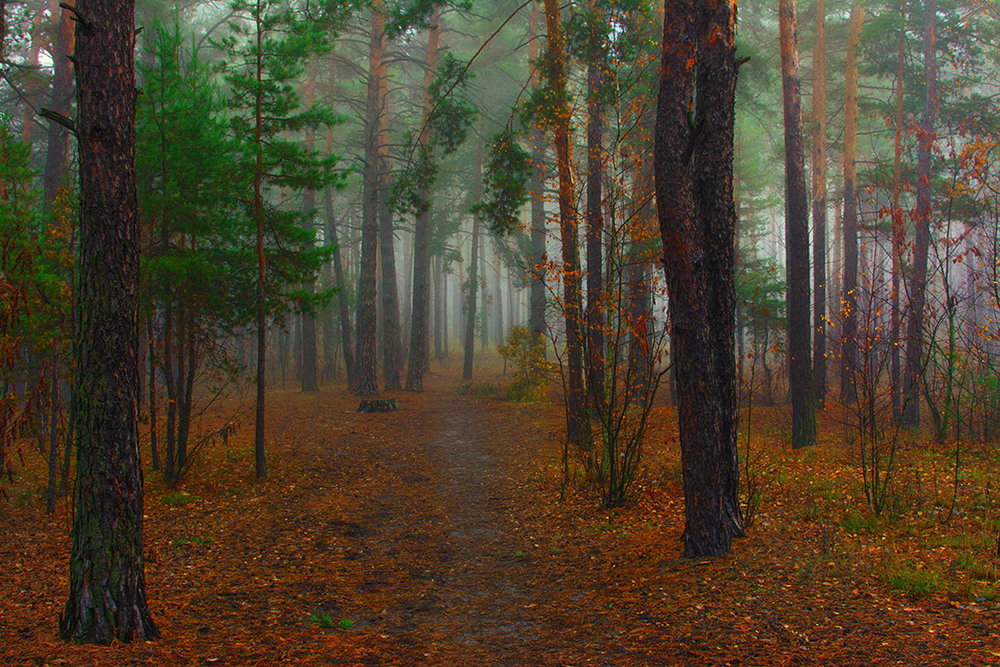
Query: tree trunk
x,y
107,588
595,233
151,387
849,294
62,92
392,338
260,461
697,223
367,317
473,282
577,418
796,237
419,344
898,226
921,237
440,317
539,259
819,205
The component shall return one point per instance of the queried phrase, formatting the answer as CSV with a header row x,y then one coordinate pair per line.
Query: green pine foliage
x,y
190,190
266,52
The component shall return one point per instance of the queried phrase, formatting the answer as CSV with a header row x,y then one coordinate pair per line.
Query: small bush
x,y
531,370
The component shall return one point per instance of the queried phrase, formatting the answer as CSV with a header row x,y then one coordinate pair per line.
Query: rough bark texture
x,y
922,220
595,234
367,317
107,592
849,294
819,205
577,420
419,342
796,237
694,181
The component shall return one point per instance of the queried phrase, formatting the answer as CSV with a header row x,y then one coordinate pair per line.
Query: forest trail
x,y
434,536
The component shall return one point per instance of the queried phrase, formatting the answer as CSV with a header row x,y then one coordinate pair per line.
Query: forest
x,y
499,332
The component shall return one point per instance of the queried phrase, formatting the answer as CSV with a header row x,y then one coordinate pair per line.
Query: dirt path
x,y
433,536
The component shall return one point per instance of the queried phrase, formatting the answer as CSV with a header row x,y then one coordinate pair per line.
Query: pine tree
x,y
267,52
107,588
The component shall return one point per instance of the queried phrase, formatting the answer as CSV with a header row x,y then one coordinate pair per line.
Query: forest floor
x,y
436,535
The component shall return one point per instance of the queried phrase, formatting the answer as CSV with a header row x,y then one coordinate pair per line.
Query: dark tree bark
x,y
819,205
107,591
469,341
367,316
577,416
694,194
595,234
419,343
796,237
849,294
921,235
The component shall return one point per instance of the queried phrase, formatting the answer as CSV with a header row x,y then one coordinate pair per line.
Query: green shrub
x,y
531,370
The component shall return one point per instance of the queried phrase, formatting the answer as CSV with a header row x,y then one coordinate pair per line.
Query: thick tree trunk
x,y
595,234
469,341
796,237
421,242
577,418
922,220
849,294
107,588
367,316
697,223
819,205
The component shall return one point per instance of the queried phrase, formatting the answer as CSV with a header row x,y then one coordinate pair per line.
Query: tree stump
x,y
378,405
